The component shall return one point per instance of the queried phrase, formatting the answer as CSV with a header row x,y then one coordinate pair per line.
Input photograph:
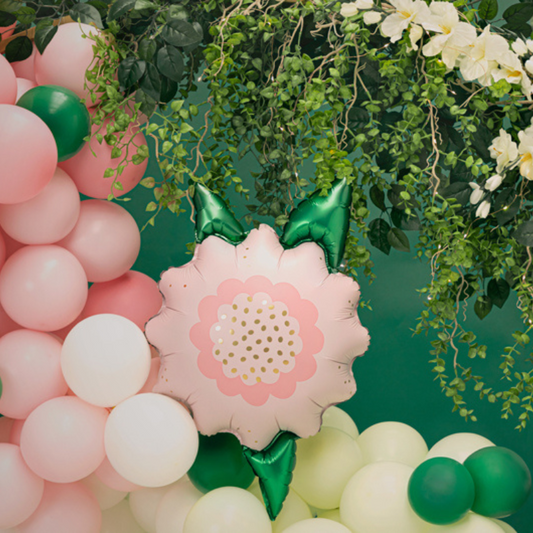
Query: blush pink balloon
x,y
7,31
28,152
30,370
16,431
46,218
21,490
66,58
8,82
43,287
151,381
106,240
7,324
6,425
87,171
63,439
23,86
11,244
3,251
65,508
110,477
25,68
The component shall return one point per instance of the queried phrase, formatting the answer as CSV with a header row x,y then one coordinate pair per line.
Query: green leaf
x,y
144,4
488,9
524,233
25,15
459,190
130,71
147,49
498,291
169,88
482,140
86,14
6,19
43,35
151,82
404,221
398,240
181,33
483,306
170,63
148,104
506,206
120,8
19,49
378,235
518,14
378,197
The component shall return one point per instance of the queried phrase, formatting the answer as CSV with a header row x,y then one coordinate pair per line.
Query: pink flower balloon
x,y
110,477
87,171
21,490
30,370
24,69
65,508
28,153
63,439
106,240
66,58
23,86
8,82
46,218
43,287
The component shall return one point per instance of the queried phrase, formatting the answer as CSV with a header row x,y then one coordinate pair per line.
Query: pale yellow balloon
x,y
505,526
175,506
144,504
459,446
333,514
392,441
294,509
106,496
473,523
227,510
119,519
324,464
334,417
375,501
317,525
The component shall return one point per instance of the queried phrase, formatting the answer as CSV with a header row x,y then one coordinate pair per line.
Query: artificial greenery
x,y
296,82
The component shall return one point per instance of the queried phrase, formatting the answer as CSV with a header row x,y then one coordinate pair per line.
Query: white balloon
x,y
375,501
324,464
151,440
119,519
294,509
175,506
106,496
394,442
458,446
333,514
334,417
227,510
317,525
144,504
105,359
505,526
473,523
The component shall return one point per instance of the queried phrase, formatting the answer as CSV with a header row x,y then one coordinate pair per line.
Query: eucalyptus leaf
x,y
378,235
170,63
86,14
498,291
19,49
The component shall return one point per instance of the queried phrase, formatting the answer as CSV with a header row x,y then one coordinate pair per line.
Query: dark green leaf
x,y
130,71
148,104
398,240
378,235
394,196
390,118
86,14
404,221
151,82
455,137
506,206
119,8
524,233
459,190
460,173
385,160
378,197
147,49
488,9
25,15
358,117
6,19
19,49
498,291
521,30
518,14
181,33
170,63
169,88
44,34
483,306
482,140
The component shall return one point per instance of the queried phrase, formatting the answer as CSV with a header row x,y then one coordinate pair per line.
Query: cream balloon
x,y
175,506
317,525
333,514
473,523
294,509
505,526
334,417
105,359
458,446
227,510
324,465
375,501
119,519
106,496
144,504
394,442
151,440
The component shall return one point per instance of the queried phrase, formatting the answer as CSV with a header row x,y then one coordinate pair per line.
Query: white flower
x,y
415,34
364,4
477,193
371,17
529,44
512,71
529,65
454,35
483,209
349,9
493,182
526,151
520,47
480,58
504,150
408,12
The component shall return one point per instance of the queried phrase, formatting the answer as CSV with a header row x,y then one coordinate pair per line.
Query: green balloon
x,y
220,463
63,112
502,480
441,491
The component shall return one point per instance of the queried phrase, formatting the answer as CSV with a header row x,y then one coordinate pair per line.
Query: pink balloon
x,y
65,508
11,244
8,82
106,240
66,58
43,287
7,31
3,251
28,151
24,69
110,477
16,431
87,171
30,370
24,85
151,381
46,218
6,323
63,439
21,490
6,426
